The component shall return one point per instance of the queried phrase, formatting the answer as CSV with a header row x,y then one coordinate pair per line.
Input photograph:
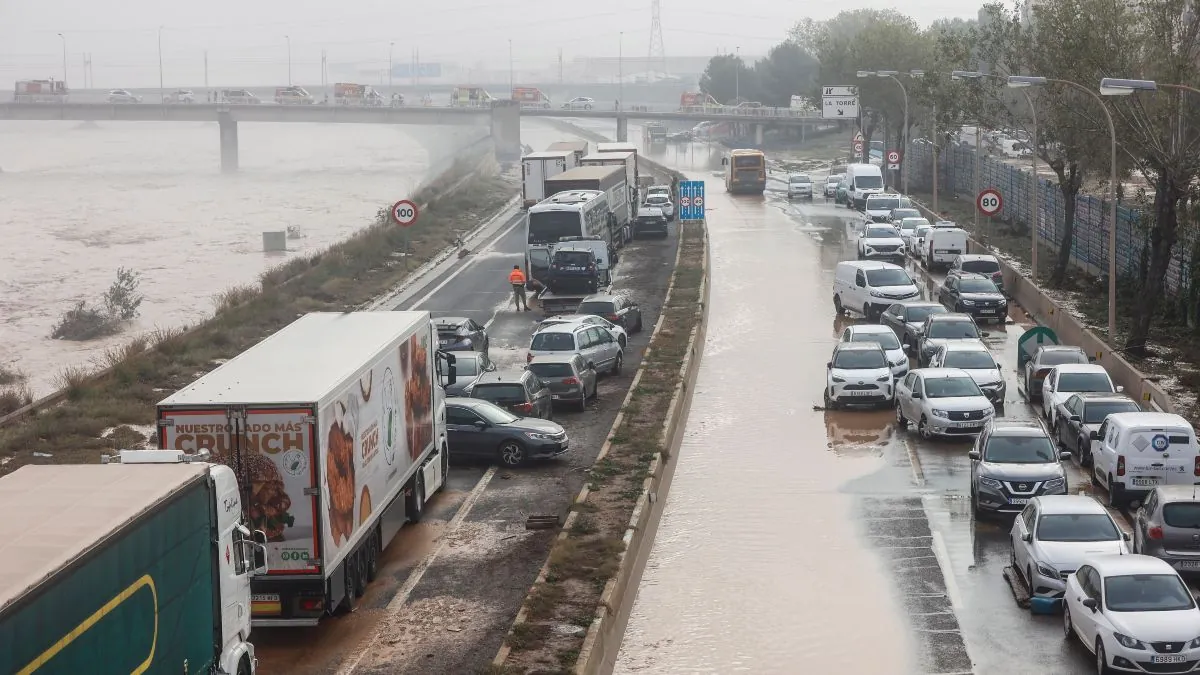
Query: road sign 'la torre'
x,y
839,102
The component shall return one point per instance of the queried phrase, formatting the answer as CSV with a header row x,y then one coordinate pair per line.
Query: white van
x,y
871,286
862,180
942,245
1140,450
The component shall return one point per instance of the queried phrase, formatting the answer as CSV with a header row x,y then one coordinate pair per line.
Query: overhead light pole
x,y
289,52
620,69
64,46
162,93
737,76
892,75
511,75
391,49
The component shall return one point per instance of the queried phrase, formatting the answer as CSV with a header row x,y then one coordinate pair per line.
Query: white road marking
x,y
401,598
470,263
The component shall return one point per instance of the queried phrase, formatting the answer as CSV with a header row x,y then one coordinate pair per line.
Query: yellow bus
x,y
745,172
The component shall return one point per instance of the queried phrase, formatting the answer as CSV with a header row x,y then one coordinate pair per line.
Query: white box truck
x,y
536,167
336,429
577,148
634,179
141,566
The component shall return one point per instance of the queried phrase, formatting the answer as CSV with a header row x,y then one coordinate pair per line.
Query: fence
x,y
1089,246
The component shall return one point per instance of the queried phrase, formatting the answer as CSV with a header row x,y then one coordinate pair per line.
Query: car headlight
x,y
884,378
990,482
901,362
539,437
969,303
877,294
1194,644
989,412
940,413
1047,571
1128,642
835,378
1055,484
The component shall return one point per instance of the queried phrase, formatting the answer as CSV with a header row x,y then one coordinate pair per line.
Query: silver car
x,y
568,377
942,402
1167,526
1011,464
974,357
799,185
598,347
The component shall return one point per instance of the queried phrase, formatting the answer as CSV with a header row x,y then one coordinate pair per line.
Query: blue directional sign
x,y
691,200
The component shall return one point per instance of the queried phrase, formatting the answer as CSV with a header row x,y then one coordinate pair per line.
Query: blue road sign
x,y
691,200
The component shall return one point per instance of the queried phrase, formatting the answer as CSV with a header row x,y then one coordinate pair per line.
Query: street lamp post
x,y
289,50
511,77
64,45
162,93
737,76
1023,81
892,74
391,48
620,70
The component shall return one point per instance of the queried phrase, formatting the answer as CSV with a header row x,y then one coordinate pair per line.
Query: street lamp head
x,y
866,73
1022,81
886,73
965,74
1114,86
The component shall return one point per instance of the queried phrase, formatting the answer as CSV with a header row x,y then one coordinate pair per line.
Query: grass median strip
x,y
103,412
550,632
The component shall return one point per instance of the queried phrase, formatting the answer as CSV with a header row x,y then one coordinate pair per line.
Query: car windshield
x,y
1077,527
551,370
977,286
1185,515
951,387
595,308
881,233
918,314
914,223
902,214
972,360
495,414
1058,357
887,340
1019,450
799,178
553,342
950,330
1147,593
1094,413
657,199
577,258
869,183
499,392
859,359
451,333
923,230
981,266
1084,382
888,277
883,203
465,365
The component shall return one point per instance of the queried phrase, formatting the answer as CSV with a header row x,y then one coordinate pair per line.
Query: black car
x,y
574,269
973,294
942,328
458,333
521,393
907,319
478,428
468,367
1078,420
650,221
619,309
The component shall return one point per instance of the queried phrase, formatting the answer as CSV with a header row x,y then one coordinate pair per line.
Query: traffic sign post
x,y
989,202
839,102
893,159
404,213
857,144
691,200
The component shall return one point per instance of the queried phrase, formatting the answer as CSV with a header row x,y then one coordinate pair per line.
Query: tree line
x,y
1065,41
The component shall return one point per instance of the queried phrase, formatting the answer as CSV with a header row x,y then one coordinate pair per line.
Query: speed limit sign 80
x,y
404,212
989,202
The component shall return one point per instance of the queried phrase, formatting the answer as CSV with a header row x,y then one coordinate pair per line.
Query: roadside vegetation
x,y
14,392
119,306
105,411
589,554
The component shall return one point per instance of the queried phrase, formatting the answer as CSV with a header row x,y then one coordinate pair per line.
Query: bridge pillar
x,y
758,135
622,129
506,130
229,142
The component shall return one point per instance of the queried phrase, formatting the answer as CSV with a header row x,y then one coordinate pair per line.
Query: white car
x,y
580,103
122,96
880,241
858,373
942,402
974,357
1054,534
831,184
908,231
916,243
587,320
1135,610
1073,378
181,96
662,203
799,185
598,347
659,190
885,337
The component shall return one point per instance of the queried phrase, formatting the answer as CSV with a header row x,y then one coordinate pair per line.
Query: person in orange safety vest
x,y
517,278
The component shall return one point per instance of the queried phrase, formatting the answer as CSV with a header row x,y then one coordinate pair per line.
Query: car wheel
x,y
621,341
830,403
837,304
1068,630
923,430
901,420
511,453
975,505
616,369
1101,658
587,106
583,400
1114,497
1084,450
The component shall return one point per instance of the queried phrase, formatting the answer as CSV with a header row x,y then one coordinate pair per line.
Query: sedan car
x,y
975,358
663,203
181,96
831,184
903,213
580,103
1079,418
1045,358
879,242
1166,524
1011,464
858,373
799,185
1134,613
122,96
568,377
458,333
884,337
478,428
973,294
468,367
521,393
942,402
587,320
619,309
1069,379
940,329
1055,534
907,319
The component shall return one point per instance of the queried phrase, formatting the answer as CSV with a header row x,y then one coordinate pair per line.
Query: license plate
x,y
555,397
945,250
1018,500
573,269
265,604
965,425
1169,658
987,311
264,597
1147,482
859,392
1188,564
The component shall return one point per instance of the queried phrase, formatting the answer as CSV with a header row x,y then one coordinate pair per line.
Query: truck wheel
x,y
350,599
416,498
445,468
371,557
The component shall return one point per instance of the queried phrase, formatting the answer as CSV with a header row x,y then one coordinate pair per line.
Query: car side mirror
x,y
860,284
828,365
986,334
258,558
917,395
999,367
480,424
908,349
1095,435
1091,359
724,161
1073,418
1126,536
1120,389
1027,537
1091,604
1064,455
975,455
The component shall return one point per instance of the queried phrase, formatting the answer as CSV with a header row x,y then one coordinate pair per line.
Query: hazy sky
x,y
246,44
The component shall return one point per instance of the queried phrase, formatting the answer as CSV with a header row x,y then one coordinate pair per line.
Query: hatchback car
x,y
984,265
884,337
1055,534
799,185
942,402
975,358
663,203
973,294
521,393
1167,526
940,329
181,96
567,376
1079,418
587,320
458,333
903,213
1070,379
478,428
468,367
858,373
1011,464
1045,358
881,242
907,319
598,347
580,103
831,184
651,220
122,96
619,309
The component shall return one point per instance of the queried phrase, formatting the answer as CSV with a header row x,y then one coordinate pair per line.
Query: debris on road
x,y
542,522
1017,585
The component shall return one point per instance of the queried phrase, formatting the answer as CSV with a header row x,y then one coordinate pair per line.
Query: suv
x,y
907,319
619,309
588,320
567,376
884,337
292,96
238,97
521,393
880,241
942,328
879,207
573,268
799,185
1165,527
975,263
597,346
122,96
650,220
858,372
942,402
1011,464
973,294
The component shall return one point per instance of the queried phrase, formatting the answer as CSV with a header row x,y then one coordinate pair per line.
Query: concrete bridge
x,y
503,118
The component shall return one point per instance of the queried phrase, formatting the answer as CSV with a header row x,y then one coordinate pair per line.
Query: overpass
x,y
503,117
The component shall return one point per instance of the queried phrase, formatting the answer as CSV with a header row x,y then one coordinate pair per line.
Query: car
x,y
122,96
1055,534
831,184
521,393
293,95
899,214
580,103
842,194
884,337
1138,451
1045,358
238,97
907,319
879,241
181,96
567,376
973,294
1133,612
908,230
799,185
918,241
1079,418
1068,379
588,320
468,367
598,347
1165,526
1012,464
659,190
661,202
459,333
871,285
478,428
651,220
617,308
940,329
976,359
574,268
977,263
942,402
858,373
879,206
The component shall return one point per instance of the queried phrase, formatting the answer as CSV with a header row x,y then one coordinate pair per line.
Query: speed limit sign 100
x,y
404,212
989,202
